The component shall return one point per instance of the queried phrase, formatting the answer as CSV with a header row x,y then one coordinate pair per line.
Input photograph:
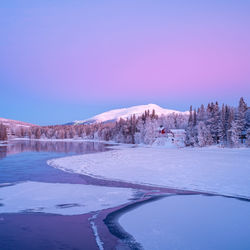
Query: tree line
x,y
228,126
225,125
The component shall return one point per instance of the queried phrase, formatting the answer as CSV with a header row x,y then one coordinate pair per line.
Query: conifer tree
x,y
189,129
229,125
201,114
215,122
234,133
241,115
222,126
203,135
150,131
194,133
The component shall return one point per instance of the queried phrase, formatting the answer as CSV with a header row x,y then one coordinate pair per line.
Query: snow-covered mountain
x,y
11,123
116,114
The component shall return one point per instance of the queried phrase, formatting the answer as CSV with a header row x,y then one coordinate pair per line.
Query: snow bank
x,y
65,199
216,170
164,143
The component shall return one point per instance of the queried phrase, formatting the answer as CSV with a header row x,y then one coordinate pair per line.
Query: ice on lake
x,y
190,222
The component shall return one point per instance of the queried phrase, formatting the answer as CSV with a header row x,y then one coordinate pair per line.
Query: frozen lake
x,y
190,222
24,162
33,219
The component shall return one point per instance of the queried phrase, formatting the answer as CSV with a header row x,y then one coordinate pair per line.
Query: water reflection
x,y
3,151
77,147
27,160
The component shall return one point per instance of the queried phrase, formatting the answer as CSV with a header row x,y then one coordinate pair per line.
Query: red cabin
x,y
162,130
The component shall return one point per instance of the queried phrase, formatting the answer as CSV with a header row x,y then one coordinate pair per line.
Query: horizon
x,y
86,118
70,61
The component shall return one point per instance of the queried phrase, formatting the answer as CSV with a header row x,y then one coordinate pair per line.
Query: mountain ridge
x,y
116,114
11,122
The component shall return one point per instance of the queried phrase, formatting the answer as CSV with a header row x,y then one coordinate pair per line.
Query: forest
x,y
214,124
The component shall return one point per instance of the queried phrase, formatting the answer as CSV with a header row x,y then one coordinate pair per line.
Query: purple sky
x,y
66,60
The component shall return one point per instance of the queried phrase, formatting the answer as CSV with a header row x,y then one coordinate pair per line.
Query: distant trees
x,y
214,125
225,125
3,132
135,129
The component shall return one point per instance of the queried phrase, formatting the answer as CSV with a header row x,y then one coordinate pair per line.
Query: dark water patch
x,y
69,205
45,231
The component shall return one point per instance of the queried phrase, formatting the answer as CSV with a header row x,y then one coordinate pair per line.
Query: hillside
x,y
11,123
116,114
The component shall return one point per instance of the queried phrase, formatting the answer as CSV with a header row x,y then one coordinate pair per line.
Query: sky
x,y
67,60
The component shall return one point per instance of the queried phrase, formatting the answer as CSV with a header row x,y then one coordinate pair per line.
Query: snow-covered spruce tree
x,y
132,127
189,140
229,125
234,133
204,137
194,133
222,126
241,116
140,131
153,115
150,130
227,122
237,124
214,122
201,113
126,132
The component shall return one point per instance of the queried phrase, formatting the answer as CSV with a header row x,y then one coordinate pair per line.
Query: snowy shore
x,y
214,170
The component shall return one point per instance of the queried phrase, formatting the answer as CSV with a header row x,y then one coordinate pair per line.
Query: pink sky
x,y
127,52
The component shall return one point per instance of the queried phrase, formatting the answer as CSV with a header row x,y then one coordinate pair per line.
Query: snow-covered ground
x,y
190,222
65,199
215,170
